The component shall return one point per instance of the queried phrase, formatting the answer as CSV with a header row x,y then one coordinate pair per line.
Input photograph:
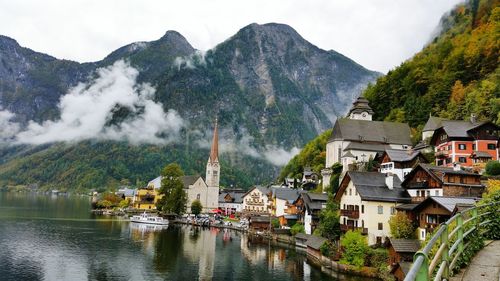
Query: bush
x,y
297,228
328,249
377,258
275,223
355,248
493,168
401,226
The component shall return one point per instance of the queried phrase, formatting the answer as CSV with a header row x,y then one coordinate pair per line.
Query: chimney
x,y
456,167
473,118
389,180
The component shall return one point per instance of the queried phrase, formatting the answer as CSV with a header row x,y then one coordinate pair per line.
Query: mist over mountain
x,y
271,90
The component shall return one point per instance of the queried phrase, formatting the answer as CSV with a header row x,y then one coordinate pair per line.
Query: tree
x,y
493,168
329,224
401,226
196,207
335,177
175,198
355,248
124,203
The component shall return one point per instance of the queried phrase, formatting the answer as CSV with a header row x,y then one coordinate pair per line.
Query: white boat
x,y
149,219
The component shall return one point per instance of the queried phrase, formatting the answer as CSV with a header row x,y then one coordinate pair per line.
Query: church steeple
x,y
361,110
213,167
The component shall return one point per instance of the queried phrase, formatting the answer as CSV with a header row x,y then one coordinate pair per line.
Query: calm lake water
x,y
57,238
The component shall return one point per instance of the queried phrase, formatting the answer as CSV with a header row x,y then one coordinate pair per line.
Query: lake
x,y
49,237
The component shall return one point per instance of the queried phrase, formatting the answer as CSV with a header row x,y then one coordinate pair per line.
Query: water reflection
x,y
79,248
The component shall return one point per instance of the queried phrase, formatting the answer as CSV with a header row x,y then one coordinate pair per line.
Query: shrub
x,y
401,226
493,168
297,228
196,207
275,223
328,249
355,248
377,258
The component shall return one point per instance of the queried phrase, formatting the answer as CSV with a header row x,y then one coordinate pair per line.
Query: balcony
x,y
352,214
345,228
441,154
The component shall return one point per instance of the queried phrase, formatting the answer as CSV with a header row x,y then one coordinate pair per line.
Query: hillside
x,y
271,90
456,75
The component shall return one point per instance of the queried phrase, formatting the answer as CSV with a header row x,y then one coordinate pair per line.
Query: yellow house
x,y
146,198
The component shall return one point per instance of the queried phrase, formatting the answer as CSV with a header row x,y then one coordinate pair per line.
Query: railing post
x,y
423,271
444,255
476,219
460,233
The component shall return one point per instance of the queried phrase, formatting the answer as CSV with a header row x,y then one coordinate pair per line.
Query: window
x,y
393,210
449,147
448,160
350,192
491,146
356,192
380,210
362,209
380,226
198,196
462,159
473,146
428,193
215,173
436,192
462,146
462,179
451,178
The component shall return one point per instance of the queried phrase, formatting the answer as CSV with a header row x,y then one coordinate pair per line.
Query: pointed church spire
x,y
214,151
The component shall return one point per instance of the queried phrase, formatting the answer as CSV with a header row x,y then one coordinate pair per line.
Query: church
x,y
207,191
356,139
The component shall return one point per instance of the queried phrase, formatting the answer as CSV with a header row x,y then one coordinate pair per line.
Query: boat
x,y
149,219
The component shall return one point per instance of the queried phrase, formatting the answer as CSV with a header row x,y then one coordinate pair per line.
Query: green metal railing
x,y
437,263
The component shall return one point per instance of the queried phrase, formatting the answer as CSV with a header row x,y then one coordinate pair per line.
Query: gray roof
x,y
449,202
260,219
405,245
361,105
288,194
314,201
237,196
371,131
402,155
481,154
459,129
433,123
371,187
189,180
348,154
127,192
377,147
315,242
406,207
302,236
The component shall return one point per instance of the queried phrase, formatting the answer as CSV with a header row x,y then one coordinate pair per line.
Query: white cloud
x,y
378,34
278,156
88,109
8,128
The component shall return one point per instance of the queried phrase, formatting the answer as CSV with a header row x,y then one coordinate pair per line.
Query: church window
x,y
198,196
215,173
339,151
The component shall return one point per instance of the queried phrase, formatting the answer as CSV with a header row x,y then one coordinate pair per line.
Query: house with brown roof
x,y
401,253
427,180
367,201
357,139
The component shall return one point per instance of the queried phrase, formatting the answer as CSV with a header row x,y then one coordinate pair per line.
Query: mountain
x,y
455,75
267,85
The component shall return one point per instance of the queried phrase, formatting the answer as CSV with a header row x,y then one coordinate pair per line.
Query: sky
x,y
378,34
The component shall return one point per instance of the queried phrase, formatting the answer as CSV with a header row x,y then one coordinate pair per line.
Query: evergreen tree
x,y
174,197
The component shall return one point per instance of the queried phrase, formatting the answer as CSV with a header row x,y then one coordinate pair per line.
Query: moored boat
x,y
149,219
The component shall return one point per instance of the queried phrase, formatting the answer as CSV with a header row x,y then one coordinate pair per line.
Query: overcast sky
x,y
378,34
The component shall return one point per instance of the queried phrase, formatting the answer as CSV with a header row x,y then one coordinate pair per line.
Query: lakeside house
x,y
257,201
311,205
367,201
231,201
471,143
427,180
146,198
401,252
284,205
357,139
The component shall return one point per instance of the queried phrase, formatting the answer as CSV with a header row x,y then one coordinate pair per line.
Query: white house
x,y
312,204
257,200
400,162
356,139
231,201
367,201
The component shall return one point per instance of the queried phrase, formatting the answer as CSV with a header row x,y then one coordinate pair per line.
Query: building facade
x,y
367,201
257,200
400,162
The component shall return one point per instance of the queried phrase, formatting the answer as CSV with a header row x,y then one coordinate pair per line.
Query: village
x,y
381,177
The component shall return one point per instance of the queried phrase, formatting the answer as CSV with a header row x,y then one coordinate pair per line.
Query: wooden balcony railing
x,y
345,228
353,214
